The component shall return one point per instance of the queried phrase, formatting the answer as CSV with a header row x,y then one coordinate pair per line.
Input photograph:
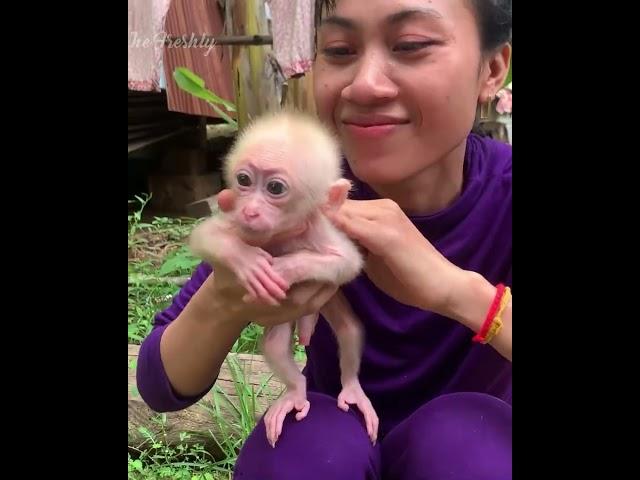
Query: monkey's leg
x,y
350,336
306,327
276,346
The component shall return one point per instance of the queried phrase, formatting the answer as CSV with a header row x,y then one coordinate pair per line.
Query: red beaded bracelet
x,y
492,315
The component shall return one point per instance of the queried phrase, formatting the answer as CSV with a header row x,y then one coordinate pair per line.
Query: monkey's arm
x,y
326,256
305,265
216,242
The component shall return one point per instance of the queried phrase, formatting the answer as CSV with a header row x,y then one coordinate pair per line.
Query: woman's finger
x,y
360,229
369,209
226,200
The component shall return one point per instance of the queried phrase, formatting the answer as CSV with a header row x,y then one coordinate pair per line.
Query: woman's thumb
x,y
226,200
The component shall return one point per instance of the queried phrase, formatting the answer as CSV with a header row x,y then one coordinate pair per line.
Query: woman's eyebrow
x,y
412,13
394,18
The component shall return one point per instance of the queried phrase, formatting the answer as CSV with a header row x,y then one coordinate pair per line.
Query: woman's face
x,y
399,80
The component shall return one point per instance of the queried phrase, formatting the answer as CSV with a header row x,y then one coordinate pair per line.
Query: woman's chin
x,y
378,171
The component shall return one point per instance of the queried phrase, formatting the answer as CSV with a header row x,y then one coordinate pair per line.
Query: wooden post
x,y
255,87
299,93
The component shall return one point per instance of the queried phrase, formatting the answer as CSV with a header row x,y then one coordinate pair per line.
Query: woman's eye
x,y
337,51
243,180
275,187
411,46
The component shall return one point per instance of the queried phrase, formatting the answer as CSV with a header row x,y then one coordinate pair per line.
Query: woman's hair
x,y
493,18
494,22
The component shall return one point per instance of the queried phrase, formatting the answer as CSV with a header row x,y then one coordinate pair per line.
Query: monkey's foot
x,y
253,268
352,393
274,418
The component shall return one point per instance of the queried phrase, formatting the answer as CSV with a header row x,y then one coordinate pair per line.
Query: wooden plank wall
x,y
197,18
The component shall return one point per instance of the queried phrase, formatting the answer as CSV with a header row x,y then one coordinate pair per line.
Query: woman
x,y
400,81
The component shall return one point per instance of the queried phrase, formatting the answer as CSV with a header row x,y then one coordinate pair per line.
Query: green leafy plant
x,y
135,218
507,81
180,261
236,417
158,460
156,251
194,85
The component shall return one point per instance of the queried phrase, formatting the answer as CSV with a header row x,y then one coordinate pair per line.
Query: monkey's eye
x,y
276,187
243,179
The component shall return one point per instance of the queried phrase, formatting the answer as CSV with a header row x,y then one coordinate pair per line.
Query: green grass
x,y
154,459
157,251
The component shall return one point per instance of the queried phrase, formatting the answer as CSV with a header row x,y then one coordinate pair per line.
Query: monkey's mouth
x,y
255,228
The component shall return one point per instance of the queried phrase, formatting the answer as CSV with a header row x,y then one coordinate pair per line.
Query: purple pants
x,y
454,437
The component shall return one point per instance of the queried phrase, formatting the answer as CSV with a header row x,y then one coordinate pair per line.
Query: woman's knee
x,y
328,443
455,436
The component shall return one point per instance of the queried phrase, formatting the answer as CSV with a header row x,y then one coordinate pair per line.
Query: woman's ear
x,y
496,69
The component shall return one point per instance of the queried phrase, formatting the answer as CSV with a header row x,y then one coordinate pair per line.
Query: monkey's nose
x,y
250,213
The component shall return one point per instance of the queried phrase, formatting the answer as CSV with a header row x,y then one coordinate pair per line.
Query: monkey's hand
x,y
215,241
253,268
352,393
274,418
291,267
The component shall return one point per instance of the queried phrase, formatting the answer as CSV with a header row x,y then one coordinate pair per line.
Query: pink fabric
x,y
504,100
292,28
146,42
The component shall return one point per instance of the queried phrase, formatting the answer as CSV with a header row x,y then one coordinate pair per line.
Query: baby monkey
x,y
283,168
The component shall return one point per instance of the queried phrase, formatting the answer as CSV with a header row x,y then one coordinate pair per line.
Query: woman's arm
x,y
194,346
180,359
406,266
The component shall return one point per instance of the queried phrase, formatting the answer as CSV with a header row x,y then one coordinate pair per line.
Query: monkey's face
x,y
266,201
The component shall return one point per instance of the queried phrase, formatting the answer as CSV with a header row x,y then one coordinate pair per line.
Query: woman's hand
x,y
302,300
400,260
404,264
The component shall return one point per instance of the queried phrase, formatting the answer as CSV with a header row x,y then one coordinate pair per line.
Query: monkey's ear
x,y
338,193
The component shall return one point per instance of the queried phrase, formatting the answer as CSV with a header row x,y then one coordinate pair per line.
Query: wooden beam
x,y
203,208
137,145
220,130
209,40
137,278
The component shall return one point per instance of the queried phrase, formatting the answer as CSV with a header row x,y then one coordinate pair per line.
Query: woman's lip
x,y
371,131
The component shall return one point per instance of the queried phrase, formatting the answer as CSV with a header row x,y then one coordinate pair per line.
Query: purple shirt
x,y
410,355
